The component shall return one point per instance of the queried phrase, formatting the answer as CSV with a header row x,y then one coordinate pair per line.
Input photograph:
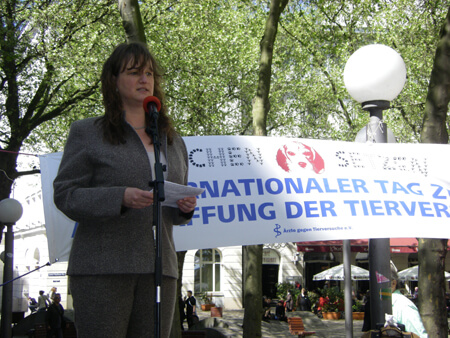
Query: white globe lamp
x,y
10,212
374,73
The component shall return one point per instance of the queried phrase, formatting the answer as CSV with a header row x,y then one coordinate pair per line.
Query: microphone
x,y
152,105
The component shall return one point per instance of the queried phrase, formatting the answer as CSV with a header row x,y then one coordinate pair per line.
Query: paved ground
x,y
233,319
274,328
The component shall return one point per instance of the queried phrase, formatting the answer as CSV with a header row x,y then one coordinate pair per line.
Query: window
x,y
207,271
413,259
32,259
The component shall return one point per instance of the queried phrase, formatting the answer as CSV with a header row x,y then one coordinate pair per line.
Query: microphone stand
x,y
158,197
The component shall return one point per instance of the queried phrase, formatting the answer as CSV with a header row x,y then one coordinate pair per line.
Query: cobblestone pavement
x,y
275,328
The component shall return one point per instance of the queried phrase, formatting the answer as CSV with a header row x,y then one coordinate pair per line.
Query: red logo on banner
x,y
297,155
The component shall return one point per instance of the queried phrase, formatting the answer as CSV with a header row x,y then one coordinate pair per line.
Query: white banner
x,y
275,190
60,228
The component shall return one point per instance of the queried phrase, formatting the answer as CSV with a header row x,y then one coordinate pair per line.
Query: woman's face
x,y
134,85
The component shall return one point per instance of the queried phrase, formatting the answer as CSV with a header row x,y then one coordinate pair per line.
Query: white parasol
x,y
337,273
412,274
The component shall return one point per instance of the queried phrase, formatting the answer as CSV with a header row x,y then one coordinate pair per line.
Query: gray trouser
x,y
119,306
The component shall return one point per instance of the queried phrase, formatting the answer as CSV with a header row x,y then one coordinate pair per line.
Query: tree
x,y
252,254
208,51
176,323
48,65
432,252
316,39
132,21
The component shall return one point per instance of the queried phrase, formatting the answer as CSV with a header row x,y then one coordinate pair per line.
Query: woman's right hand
x,y
136,198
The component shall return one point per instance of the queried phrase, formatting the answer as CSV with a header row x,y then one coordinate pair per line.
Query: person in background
x,y
43,301
289,302
54,318
32,304
103,185
266,306
404,310
191,308
367,323
52,293
280,313
359,296
303,301
320,303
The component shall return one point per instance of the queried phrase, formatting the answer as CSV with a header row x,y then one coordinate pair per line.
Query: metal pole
x,y
380,291
7,294
379,249
348,289
158,197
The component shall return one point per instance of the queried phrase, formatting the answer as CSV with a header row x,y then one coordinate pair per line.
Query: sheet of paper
x,y
174,192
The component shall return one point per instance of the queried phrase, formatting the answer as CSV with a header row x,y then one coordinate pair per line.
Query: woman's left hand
x,y
187,204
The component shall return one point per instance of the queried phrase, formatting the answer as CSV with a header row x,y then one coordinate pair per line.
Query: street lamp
x,y
374,75
10,212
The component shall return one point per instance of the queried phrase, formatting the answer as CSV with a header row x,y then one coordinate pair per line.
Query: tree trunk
x,y
261,104
434,128
432,252
252,265
176,322
252,254
432,304
132,20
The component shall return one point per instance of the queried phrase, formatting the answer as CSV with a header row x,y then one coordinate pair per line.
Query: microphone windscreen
x,y
151,99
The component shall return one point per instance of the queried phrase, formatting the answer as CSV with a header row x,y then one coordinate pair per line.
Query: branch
x,y
325,72
77,96
132,20
47,96
408,122
40,92
27,172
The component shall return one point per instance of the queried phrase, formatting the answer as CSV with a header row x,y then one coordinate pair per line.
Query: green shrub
x,y
358,306
313,297
283,288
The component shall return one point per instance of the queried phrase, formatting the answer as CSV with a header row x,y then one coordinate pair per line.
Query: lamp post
x,y
10,212
374,75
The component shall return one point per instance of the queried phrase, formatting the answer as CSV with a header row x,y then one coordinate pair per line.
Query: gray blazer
x,y
89,189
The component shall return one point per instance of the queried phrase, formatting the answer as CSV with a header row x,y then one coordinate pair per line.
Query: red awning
x,y
398,245
357,245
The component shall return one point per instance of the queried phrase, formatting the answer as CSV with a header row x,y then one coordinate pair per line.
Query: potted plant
x,y
207,303
331,310
358,310
333,303
216,311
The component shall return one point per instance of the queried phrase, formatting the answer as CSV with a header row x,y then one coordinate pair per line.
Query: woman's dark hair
x,y
113,121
